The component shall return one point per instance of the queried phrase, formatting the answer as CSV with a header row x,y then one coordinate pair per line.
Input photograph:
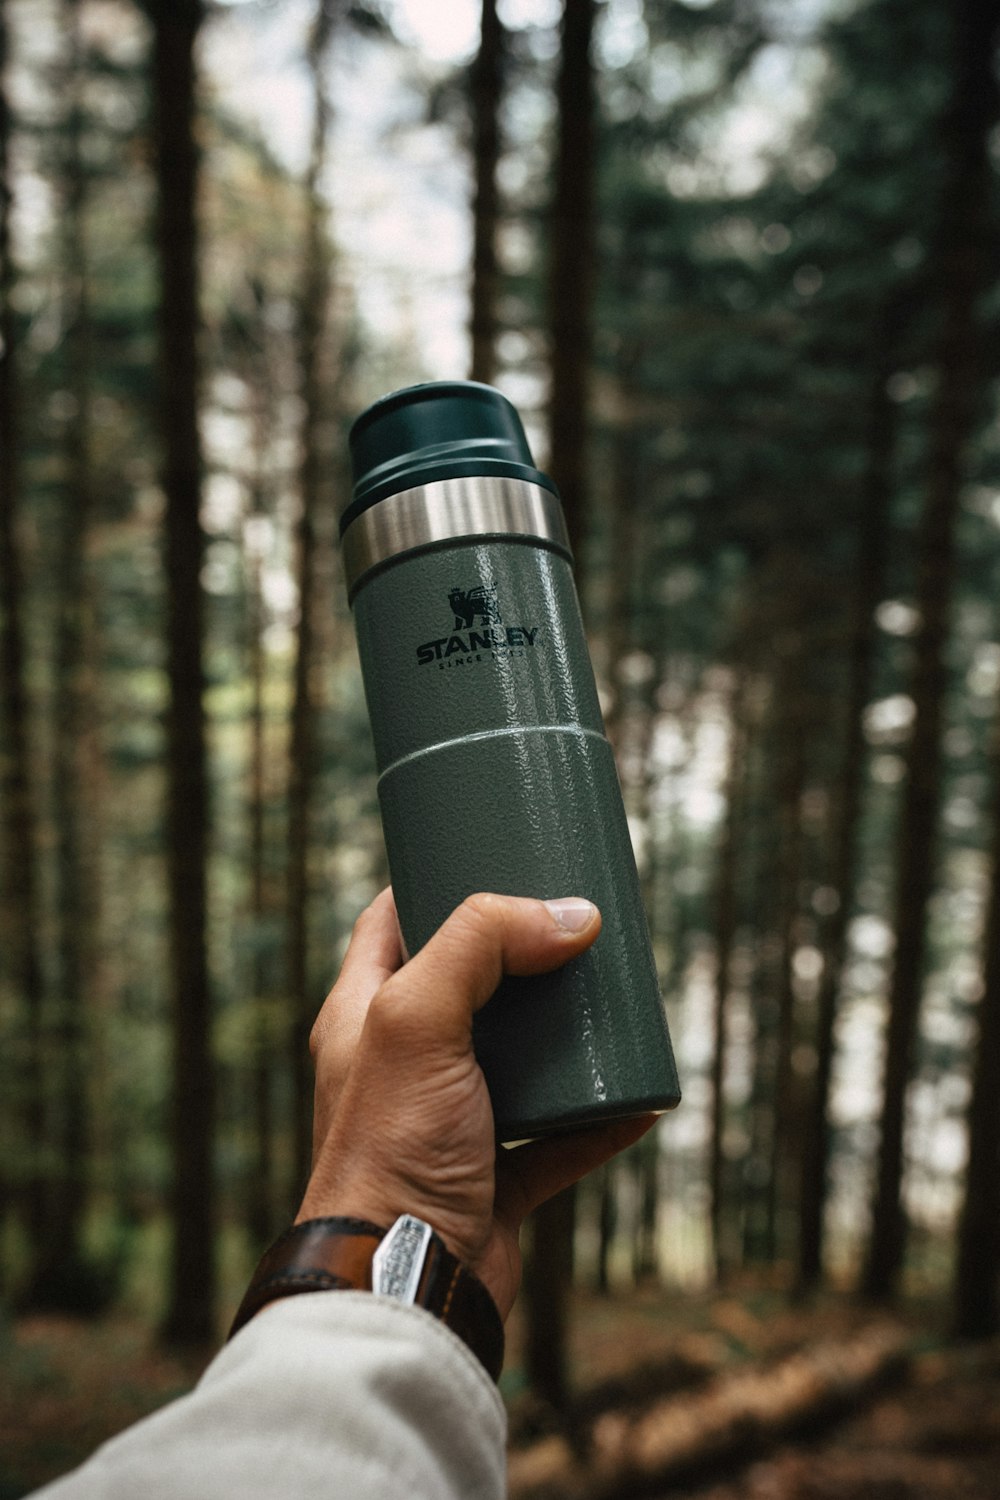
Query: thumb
x,y
459,968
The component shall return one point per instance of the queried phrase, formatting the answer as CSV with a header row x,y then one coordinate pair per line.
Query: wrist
x,y
377,1206
408,1262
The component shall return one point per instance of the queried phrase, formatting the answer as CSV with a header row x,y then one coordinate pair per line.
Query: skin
x,y
402,1118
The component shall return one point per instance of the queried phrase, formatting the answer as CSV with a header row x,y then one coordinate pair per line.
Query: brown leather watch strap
x,y
318,1255
336,1254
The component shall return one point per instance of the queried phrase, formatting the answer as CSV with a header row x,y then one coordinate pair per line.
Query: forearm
x,y
324,1393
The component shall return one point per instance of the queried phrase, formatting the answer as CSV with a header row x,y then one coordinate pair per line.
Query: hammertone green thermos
x,y
494,770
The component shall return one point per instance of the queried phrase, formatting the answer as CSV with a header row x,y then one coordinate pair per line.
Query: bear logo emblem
x,y
478,604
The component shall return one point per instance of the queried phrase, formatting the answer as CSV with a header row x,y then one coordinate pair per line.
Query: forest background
x,y
736,263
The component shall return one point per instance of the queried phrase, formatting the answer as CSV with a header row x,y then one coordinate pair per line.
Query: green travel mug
x,y
494,770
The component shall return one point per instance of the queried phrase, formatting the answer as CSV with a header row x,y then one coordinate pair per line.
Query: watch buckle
x,y
398,1263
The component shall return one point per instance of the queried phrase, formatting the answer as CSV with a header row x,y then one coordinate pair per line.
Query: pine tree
x,y
260,1185
975,1302
313,302
725,935
549,1272
190,1316
572,250
872,530
62,1276
963,255
19,884
486,87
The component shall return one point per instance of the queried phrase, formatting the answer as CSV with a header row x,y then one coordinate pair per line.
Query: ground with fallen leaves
x,y
935,1437
930,1432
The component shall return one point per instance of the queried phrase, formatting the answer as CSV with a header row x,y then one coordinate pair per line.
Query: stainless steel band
x,y
487,505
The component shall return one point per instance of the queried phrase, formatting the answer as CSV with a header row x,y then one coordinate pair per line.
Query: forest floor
x,y
751,1397
929,1429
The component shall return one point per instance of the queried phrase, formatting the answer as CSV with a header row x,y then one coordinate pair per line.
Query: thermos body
x,y
494,770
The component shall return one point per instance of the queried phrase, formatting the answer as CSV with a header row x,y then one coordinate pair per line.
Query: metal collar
x,y
446,509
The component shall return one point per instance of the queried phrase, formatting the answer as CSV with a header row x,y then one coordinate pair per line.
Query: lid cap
x,y
437,430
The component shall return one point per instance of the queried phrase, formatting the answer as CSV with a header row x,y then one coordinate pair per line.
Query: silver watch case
x,y
398,1263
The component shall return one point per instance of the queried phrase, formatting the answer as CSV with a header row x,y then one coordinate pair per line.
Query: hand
x,y
402,1120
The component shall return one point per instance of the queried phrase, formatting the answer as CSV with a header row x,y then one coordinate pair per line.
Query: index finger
x,y
372,955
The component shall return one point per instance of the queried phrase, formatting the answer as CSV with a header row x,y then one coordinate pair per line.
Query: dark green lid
x,y
445,429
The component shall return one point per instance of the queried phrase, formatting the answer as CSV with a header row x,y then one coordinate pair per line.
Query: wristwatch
x,y
408,1262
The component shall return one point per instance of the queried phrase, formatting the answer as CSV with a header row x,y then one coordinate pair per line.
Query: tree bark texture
x,y
975,1308
645,1160
313,302
548,1281
725,935
764,884
75,714
571,268
873,522
782,1137
264,903
629,563
19,888
486,87
191,1310
607,1223
963,262
260,1186
548,1277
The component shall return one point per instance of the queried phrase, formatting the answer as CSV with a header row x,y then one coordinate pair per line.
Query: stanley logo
x,y
478,631
475,605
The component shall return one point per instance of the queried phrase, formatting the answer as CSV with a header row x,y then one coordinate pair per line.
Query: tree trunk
x,y
19,892
191,1310
645,1158
265,907
571,270
625,567
486,84
548,1277
963,263
260,1187
61,1275
764,885
976,1313
549,1274
725,934
313,302
789,875
873,520
607,1216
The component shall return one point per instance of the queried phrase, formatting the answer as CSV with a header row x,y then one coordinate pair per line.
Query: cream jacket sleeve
x,y
322,1395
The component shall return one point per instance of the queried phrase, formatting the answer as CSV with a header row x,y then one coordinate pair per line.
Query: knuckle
x,y
470,943
362,922
480,911
391,1009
